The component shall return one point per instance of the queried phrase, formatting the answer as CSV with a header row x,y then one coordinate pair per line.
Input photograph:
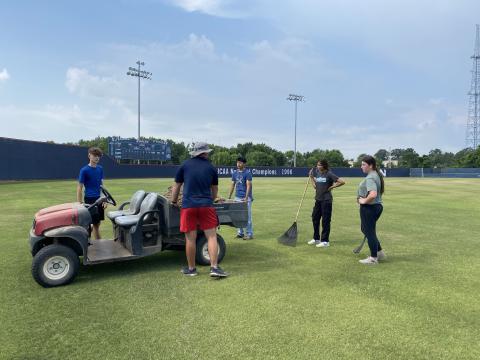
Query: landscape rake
x,y
289,238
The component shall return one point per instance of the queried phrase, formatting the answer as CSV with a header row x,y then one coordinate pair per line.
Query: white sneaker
x,y
381,255
368,261
323,244
311,242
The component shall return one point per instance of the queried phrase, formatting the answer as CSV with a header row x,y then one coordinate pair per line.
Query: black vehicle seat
x,y
133,208
164,205
148,204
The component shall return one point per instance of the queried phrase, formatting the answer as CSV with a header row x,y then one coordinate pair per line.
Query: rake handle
x,y
303,197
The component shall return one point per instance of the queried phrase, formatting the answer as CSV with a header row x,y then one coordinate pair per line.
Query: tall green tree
x,y
100,142
358,162
409,159
381,156
279,158
223,157
463,157
397,154
179,152
334,157
470,158
439,159
259,158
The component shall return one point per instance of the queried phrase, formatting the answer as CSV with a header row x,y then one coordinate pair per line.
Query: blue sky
x,y
375,74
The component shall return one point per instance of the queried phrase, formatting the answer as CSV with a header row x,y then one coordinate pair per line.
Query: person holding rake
x,y
323,181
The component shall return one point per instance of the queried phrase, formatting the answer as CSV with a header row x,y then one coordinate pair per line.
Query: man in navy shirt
x,y
200,187
91,177
242,183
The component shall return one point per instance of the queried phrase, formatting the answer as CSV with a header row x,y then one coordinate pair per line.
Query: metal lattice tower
x,y
473,122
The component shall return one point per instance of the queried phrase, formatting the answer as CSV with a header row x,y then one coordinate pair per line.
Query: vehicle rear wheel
x,y
55,265
202,257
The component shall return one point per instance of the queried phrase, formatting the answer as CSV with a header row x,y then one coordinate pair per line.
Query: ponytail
x,y
382,183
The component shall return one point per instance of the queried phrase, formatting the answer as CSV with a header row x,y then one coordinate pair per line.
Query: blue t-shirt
x,y
197,175
240,178
91,178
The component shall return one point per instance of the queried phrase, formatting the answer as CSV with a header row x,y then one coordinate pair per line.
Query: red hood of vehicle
x,y
56,208
56,216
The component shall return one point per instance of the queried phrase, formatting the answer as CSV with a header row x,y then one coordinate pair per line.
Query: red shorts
x,y
201,218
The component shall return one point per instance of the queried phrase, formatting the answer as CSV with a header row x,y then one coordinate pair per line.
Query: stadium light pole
x,y
139,74
296,98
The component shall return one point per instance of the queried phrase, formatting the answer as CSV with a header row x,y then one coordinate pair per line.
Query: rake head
x,y
289,238
359,247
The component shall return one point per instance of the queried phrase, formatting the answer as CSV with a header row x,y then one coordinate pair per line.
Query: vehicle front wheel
x,y
55,265
202,256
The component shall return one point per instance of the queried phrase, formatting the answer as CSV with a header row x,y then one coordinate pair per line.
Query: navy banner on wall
x,y
263,171
32,160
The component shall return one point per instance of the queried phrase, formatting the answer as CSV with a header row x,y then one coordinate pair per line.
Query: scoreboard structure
x,y
133,149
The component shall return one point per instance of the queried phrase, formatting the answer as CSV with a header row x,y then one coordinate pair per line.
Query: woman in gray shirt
x,y
369,197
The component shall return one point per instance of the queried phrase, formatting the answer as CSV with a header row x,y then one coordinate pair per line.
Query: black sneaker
x,y
189,272
239,236
217,272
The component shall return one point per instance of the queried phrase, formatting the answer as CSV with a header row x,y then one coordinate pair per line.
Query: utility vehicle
x,y
147,224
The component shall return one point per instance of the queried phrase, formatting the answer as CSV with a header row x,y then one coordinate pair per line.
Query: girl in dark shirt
x,y
323,181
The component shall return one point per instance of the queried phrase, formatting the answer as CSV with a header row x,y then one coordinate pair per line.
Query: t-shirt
x,y
370,183
91,177
323,180
197,175
240,178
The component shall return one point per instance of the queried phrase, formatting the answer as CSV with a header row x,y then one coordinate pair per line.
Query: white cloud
x,y
81,82
438,101
220,8
407,32
423,127
419,119
4,75
289,50
63,123
196,46
206,6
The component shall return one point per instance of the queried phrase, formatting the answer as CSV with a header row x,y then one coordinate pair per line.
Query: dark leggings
x,y
322,210
369,214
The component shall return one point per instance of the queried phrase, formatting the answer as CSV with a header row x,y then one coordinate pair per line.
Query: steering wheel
x,y
108,197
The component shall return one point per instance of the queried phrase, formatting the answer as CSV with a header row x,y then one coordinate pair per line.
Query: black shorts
x,y
98,213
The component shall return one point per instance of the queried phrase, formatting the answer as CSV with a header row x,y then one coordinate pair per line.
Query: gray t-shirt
x,y
370,183
323,181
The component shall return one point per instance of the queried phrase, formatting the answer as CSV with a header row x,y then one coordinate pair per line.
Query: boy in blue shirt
x,y
91,177
242,183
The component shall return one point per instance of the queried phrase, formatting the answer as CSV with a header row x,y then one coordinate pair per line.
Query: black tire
x,y
202,257
55,265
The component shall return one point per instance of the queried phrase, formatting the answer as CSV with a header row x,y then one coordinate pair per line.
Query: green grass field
x,y
279,302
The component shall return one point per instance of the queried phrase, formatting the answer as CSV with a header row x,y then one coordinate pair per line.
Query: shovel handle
x,y
303,197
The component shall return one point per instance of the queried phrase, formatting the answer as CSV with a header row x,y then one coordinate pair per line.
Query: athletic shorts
x,y
201,218
98,214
